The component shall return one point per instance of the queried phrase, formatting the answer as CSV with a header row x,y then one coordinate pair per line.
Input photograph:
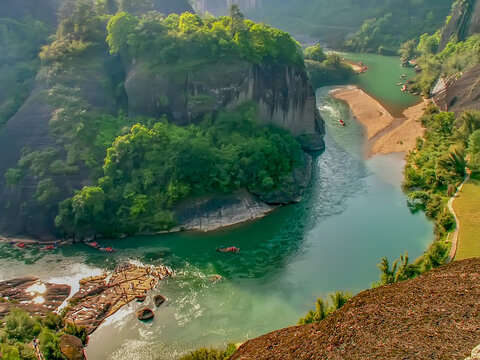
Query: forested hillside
x,y
136,109
367,25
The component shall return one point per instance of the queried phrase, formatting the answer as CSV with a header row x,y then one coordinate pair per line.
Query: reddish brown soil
x,y
436,316
13,294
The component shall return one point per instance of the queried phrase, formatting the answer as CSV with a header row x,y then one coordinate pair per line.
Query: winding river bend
x,y
353,214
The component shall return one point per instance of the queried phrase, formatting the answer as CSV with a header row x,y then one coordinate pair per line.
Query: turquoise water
x,y
381,79
353,214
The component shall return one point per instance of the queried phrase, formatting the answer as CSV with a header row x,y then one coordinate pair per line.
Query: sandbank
x,y
385,133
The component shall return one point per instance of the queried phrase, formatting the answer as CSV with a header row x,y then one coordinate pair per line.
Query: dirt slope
x,y
436,316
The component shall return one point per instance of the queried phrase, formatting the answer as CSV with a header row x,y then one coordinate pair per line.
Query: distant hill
x,y
333,22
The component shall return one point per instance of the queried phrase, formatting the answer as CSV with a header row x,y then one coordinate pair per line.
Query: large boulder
x,y
72,347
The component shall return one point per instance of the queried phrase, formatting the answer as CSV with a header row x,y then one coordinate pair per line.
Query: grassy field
x,y
467,208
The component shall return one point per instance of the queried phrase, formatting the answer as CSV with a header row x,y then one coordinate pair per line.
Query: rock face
x,y
209,213
459,92
172,6
21,292
434,316
221,7
213,212
464,21
283,94
29,128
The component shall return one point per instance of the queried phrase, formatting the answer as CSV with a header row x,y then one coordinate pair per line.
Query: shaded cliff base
x,y
208,213
434,316
385,133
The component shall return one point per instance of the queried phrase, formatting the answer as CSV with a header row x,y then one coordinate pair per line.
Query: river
x,y
353,214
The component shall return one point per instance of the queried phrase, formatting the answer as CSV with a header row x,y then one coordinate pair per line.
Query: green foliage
x,y
50,345
455,58
325,69
189,37
315,53
78,331
325,309
19,329
53,322
13,176
211,354
431,174
19,326
437,163
407,50
401,270
150,169
37,162
46,191
474,149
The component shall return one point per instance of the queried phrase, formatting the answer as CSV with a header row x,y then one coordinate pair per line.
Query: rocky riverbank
x,y
31,295
98,297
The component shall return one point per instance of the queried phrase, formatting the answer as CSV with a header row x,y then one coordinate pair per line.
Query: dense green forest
x,y
189,37
368,25
153,167
325,69
19,329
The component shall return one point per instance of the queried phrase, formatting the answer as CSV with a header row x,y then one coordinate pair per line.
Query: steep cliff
x,y
459,92
464,21
30,130
434,316
283,94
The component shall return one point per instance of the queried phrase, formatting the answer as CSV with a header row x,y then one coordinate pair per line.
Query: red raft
x,y
341,122
231,249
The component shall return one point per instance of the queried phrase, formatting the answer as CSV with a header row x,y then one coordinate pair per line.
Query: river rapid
x,y
352,215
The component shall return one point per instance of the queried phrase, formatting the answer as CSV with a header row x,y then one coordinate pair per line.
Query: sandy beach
x,y
385,133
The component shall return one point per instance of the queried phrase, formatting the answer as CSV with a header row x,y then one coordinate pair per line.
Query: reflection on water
x,y
353,214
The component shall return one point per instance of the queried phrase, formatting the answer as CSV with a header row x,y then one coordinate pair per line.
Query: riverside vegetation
x,y
19,329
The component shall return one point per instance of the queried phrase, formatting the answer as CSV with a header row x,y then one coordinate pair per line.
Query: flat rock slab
x,y
31,295
102,296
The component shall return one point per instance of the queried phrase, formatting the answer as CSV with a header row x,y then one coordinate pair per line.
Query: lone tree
x,y
237,18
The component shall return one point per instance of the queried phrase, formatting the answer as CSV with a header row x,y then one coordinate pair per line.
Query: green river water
x,y
353,214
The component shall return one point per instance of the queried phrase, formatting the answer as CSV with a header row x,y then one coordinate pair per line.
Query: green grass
x,y
467,207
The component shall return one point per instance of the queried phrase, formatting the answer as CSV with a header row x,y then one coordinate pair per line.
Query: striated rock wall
x,y
283,94
213,212
29,128
459,92
464,21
